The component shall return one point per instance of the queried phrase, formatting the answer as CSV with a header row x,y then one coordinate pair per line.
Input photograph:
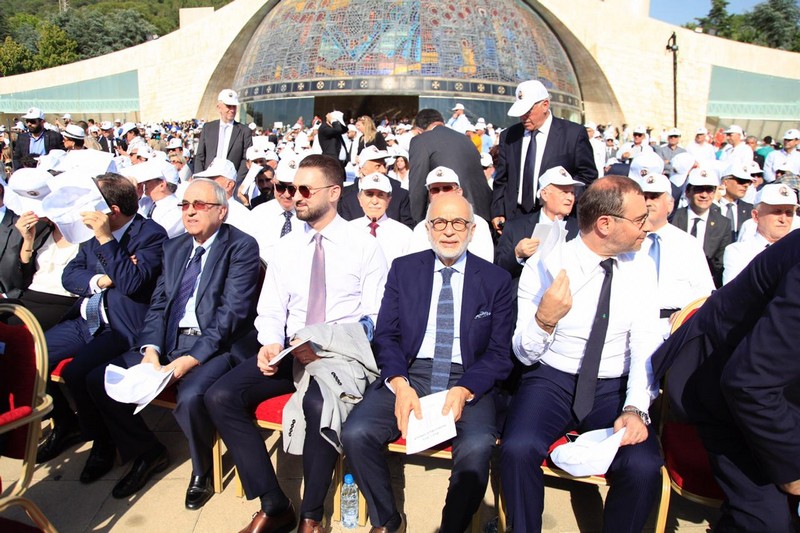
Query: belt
x,y
666,313
194,332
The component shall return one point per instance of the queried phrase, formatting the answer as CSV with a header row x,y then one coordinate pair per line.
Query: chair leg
x,y
216,453
500,505
338,481
32,510
237,479
663,504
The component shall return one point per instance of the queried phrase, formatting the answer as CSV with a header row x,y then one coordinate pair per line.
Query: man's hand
x,y
497,224
792,488
635,430
526,248
455,400
406,400
99,223
556,301
181,366
104,282
265,354
151,356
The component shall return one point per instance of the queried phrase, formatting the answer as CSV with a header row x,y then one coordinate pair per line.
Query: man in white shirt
x,y
223,172
598,147
586,328
736,150
459,121
776,158
374,196
442,180
328,272
630,150
700,148
277,218
773,215
158,181
681,267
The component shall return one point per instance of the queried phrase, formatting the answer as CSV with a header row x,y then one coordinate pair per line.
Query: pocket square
x,y
483,314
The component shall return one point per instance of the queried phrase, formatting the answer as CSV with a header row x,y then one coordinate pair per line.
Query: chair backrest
x,y
686,313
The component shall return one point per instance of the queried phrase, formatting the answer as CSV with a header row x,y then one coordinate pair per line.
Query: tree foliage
x,y
14,58
55,48
98,33
773,23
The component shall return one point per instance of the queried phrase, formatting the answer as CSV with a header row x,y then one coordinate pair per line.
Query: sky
x,y
680,12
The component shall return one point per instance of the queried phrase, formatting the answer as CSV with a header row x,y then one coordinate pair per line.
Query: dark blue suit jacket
x,y
735,362
127,301
486,322
226,298
522,228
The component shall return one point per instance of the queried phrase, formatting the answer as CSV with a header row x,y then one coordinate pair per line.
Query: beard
x,y
36,130
449,253
311,214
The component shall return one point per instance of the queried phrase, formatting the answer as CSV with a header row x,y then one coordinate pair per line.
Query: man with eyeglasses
x,y
325,273
277,218
204,301
586,327
38,140
442,181
703,220
737,180
223,172
444,325
631,149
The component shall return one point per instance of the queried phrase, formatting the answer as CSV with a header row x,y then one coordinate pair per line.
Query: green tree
x,y
14,58
99,33
775,24
24,29
55,48
3,26
718,20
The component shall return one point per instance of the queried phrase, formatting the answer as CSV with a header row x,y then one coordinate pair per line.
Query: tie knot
x,y
373,225
653,237
607,264
198,253
318,239
288,215
447,273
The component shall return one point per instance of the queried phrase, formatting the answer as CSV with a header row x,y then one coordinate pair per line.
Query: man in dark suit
x,y
38,140
330,137
737,180
733,371
539,142
190,331
224,137
115,274
440,146
702,219
417,355
107,141
11,277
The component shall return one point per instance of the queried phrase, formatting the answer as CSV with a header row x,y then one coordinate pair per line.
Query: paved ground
x,y
74,508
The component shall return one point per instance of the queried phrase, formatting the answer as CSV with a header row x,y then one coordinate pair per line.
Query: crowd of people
x,y
538,267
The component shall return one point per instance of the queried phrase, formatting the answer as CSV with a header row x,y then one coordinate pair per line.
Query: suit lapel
x,y
6,228
234,134
554,138
420,309
220,245
468,303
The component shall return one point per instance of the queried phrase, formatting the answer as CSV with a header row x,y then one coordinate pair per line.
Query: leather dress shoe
x,y
308,525
199,492
400,529
280,523
99,463
143,468
59,439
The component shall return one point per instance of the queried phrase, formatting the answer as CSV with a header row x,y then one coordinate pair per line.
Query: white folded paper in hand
x,y
591,454
551,249
138,384
434,428
249,187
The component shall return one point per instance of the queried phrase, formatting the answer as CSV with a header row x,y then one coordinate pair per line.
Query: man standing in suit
x,y
703,220
539,142
205,300
330,137
115,274
737,180
224,138
38,140
444,324
734,372
440,146
586,327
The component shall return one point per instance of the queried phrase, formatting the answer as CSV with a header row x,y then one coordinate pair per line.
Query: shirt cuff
x,y
529,346
388,386
153,346
93,283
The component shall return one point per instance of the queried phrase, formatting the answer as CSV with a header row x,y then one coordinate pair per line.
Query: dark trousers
x,y
231,402
72,339
130,433
540,413
372,424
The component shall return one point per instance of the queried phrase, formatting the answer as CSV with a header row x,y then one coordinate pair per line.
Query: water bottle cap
x,y
348,479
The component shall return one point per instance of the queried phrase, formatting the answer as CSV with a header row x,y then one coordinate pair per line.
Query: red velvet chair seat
x,y
687,461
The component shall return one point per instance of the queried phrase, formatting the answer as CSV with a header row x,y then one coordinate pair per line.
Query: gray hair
x,y
221,196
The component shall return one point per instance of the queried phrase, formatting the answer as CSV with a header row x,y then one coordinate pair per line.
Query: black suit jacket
x,y
444,147
514,231
744,211
399,208
330,139
104,142
567,145
241,140
735,362
717,237
226,297
52,141
11,275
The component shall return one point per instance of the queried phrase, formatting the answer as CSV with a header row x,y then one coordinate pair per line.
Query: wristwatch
x,y
642,414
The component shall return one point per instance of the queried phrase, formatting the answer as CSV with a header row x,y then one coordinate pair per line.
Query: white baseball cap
x,y
735,129
704,176
375,181
174,144
371,153
254,153
776,194
73,131
701,131
640,129
152,170
286,169
674,132
442,175
792,134
34,113
31,185
739,170
219,167
142,150
645,163
458,107
228,97
106,125
527,93
67,116
655,183
128,126
486,160
556,176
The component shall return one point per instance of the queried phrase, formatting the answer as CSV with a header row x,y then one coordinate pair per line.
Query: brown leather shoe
x,y
400,529
279,523
310,526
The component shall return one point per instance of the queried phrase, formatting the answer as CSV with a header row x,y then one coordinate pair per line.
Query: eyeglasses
x,y
31,120
638,221
443,188
197,205
459,224
304,190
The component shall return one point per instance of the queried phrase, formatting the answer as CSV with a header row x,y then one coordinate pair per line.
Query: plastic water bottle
x,y
349,502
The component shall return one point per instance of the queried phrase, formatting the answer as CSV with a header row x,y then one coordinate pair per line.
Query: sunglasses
x,y
197,205
304,190
443,188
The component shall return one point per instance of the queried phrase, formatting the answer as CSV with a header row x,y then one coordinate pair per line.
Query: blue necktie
x,y
178,309
93,318
655,252
445,324
287,224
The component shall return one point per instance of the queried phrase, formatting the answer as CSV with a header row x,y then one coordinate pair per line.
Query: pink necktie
x,y
372,227
315,314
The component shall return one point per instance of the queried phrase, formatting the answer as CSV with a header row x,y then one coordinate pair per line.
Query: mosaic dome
x,y
465,47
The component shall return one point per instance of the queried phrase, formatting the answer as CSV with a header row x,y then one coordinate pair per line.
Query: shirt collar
x,y
335,232
207,244
121,231
379,221
544,130
459,266
693,215
588,260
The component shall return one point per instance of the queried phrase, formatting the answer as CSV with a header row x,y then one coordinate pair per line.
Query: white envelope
x,y
591,454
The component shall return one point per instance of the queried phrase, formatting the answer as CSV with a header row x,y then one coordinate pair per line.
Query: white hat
x,y
735,129
640,129
174,144
441,175
701,131
228,97
792,134
219,167
90,162
71,193
351,127
590,454
152,170
73,131
657,183
286,169
527,93
590,126
31,186
270,155
704,176
486,160
776,194
739,170
138,384
755,169
338,116
556,176
458,107
94,128
674,132
296,126
67,116
645,163
106,125
682,163
371,153
391,137
470,127
253,126
608,135
128,126
50,159
34,113
118,120
143,150
254,153
375,181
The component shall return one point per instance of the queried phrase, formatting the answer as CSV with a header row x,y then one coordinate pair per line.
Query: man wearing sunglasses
x,y
38,140
631,149
223,172
328,272
737,181
586,328
277,218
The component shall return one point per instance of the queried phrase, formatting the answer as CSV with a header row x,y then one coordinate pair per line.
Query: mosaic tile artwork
x,y
487,40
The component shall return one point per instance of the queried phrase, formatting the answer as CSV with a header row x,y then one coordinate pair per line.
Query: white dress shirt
x,y
702,152
428,346
225,131
701,226
50,263
481,244
541,143
393,237
739,254
169,216
355,274
739,154
267,220
633,332
239,217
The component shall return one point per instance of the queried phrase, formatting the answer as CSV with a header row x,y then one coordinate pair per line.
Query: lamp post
x,y
672,46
